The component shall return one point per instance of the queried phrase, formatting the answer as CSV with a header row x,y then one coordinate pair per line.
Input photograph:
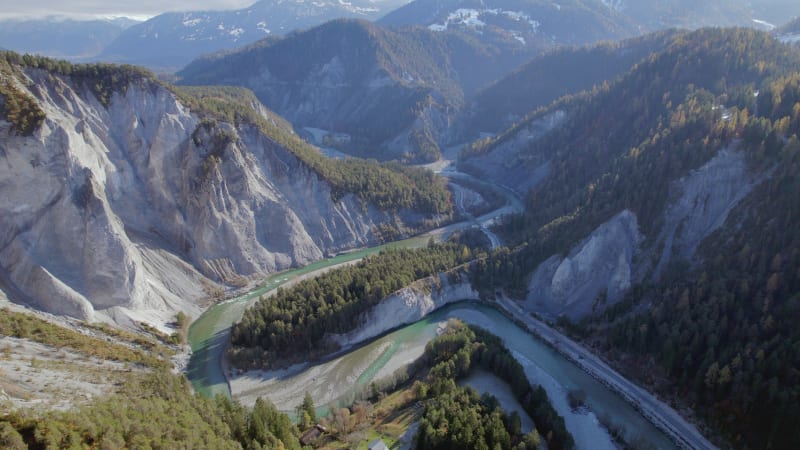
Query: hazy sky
x,y
105,8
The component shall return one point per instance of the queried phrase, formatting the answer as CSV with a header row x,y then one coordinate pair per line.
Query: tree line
x,y
720,329
294,321
390,187
155,410
456,417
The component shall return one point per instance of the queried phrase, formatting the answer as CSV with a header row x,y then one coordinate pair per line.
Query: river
x,y
337,380
208,335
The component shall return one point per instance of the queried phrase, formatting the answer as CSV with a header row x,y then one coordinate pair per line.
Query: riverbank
x,y
663,416
209,333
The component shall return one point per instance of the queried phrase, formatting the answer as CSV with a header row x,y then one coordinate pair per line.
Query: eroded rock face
x,y
707,196
409,305
132,211
600,266
600,269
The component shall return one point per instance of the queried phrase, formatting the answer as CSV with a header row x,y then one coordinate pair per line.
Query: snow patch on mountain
x,y
616,5
471,18
189,22
768,26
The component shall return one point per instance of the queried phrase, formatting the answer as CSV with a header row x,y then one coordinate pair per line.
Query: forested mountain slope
x,y
532,22
673,189
389,90
548,77
126,199
582,22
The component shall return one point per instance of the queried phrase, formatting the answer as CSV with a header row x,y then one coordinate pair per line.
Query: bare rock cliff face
x,y
598,271
131,211
601,265
409,305
508,165
707,196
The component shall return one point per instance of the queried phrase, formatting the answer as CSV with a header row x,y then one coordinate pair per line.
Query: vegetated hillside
x,y
296,323
455,417
125,199
673,189
171,40
103,388
658,14
532,22
59,37
385,89
548,77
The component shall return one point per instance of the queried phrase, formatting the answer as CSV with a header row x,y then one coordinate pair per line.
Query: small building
x,y
377,444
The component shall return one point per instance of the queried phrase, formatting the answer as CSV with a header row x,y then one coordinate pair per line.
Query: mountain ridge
x,y
61,37
182,36
384,87
97,170
692,144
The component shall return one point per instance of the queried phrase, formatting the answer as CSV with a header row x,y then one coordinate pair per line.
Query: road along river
x,y
336,380
339,380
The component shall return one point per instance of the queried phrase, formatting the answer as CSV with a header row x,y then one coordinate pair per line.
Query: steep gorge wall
x,y
598,271
410,304
131,211
600,265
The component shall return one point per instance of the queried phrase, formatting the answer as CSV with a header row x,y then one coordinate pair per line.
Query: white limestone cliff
x,y
409,305
128,212
601,264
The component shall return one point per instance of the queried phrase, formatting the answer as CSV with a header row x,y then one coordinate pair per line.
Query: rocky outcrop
x,y
707,195
599,270
133,209
409,305
599,267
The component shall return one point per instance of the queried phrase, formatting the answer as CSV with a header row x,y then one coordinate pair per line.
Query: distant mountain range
x,y
169,41
172,40
534,22
659,14
576,22
61,38
388,92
